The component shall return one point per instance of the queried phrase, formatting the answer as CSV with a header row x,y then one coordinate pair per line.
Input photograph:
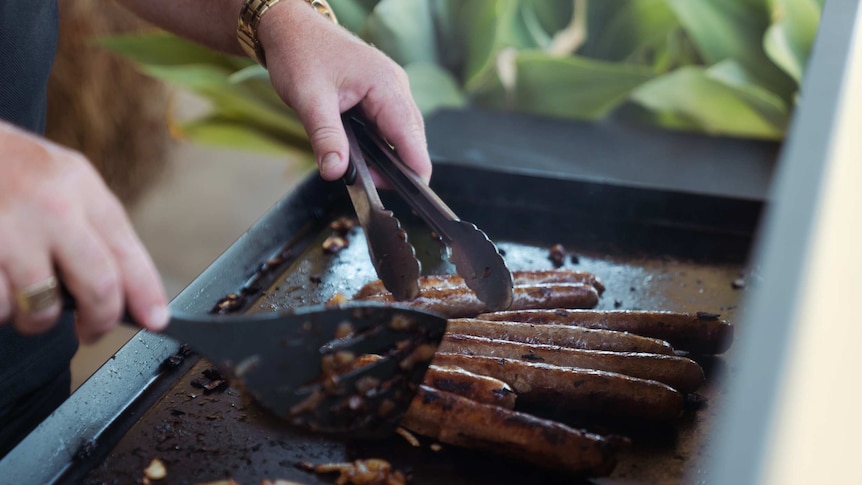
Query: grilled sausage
x,y
584,390
562,335
698,333
459,421
520,278
478,387
681,373
462,302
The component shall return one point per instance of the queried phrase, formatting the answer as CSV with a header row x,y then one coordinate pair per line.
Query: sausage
x,y
681,373
584,390
458,421
519,278
476,386
562,335
462,302
701,333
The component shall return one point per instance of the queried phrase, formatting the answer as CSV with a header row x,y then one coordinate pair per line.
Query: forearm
x,y
210,22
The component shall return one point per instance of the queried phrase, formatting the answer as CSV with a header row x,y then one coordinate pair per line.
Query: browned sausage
x,y
480,388
562,335
591,391
681,373
462,302
699,332
520,278
458,421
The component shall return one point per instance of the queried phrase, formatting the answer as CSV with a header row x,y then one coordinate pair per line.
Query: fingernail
x,y
329,162
159,317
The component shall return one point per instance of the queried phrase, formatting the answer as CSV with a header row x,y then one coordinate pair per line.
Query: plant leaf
x,y
218,131
433,87
352,14
255,71
708,102
486,27
158,48
724,29
572,87
233,101
634,29
404,29
789,39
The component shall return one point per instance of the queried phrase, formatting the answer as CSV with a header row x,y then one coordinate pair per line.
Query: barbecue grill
x,y
668,220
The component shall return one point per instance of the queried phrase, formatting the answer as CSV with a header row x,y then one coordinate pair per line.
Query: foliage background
x,y
723,67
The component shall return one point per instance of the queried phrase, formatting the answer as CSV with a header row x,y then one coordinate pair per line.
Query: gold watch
x,y
249,19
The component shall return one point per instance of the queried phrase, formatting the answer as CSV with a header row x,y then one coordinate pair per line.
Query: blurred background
x,y
198,146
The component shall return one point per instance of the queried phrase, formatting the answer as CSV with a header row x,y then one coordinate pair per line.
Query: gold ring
x,y
37,297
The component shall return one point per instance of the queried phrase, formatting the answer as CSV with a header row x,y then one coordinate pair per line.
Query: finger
x,y
90,276
27,270
141,285
321,117
5,300
400,122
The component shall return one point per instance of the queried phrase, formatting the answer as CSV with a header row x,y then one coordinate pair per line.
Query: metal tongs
x,y
475,256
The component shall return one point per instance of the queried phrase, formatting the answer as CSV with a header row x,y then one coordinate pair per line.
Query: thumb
x,y
322,121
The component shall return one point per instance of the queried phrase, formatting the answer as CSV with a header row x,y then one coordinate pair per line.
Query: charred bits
x,y
212,381
557,255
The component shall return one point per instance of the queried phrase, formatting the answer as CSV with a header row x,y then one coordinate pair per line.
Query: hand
x,y
57,216
321,70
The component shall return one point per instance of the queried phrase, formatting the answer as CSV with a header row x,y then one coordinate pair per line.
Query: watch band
x,y
249,20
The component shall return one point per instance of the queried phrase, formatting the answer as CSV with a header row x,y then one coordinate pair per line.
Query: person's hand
x,y
321,70
59,220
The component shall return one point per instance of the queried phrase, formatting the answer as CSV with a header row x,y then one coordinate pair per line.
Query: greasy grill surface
x,y
652,255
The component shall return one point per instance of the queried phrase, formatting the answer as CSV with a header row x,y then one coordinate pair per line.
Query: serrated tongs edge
x,y
475,256
394,258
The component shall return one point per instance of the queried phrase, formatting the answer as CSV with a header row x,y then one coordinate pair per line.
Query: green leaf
x,y
708,102
217,131
352,13
573,87
552,15
158,48
233,101
404,29
733,29
433,87
636,31
486,27
255,71
789,39
767,104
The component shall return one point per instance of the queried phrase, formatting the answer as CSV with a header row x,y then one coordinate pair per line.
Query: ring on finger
x,y
37,297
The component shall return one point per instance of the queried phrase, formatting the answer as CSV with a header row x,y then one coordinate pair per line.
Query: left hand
x,y
321,70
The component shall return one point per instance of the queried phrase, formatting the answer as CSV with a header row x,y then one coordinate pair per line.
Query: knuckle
x,y
32,324
324,134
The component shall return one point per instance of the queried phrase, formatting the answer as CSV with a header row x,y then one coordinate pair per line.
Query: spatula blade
x,y
285,361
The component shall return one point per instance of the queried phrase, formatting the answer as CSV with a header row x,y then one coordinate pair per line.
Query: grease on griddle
x,y
212,381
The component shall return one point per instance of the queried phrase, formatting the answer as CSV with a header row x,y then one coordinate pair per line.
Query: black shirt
x,y
29,366
28,41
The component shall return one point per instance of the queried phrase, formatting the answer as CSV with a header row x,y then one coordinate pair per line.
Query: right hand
x,y
58,218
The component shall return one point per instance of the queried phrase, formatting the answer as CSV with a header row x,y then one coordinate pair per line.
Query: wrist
x,y
259,22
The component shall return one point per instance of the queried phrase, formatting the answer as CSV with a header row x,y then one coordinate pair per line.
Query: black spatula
x,y
299,364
